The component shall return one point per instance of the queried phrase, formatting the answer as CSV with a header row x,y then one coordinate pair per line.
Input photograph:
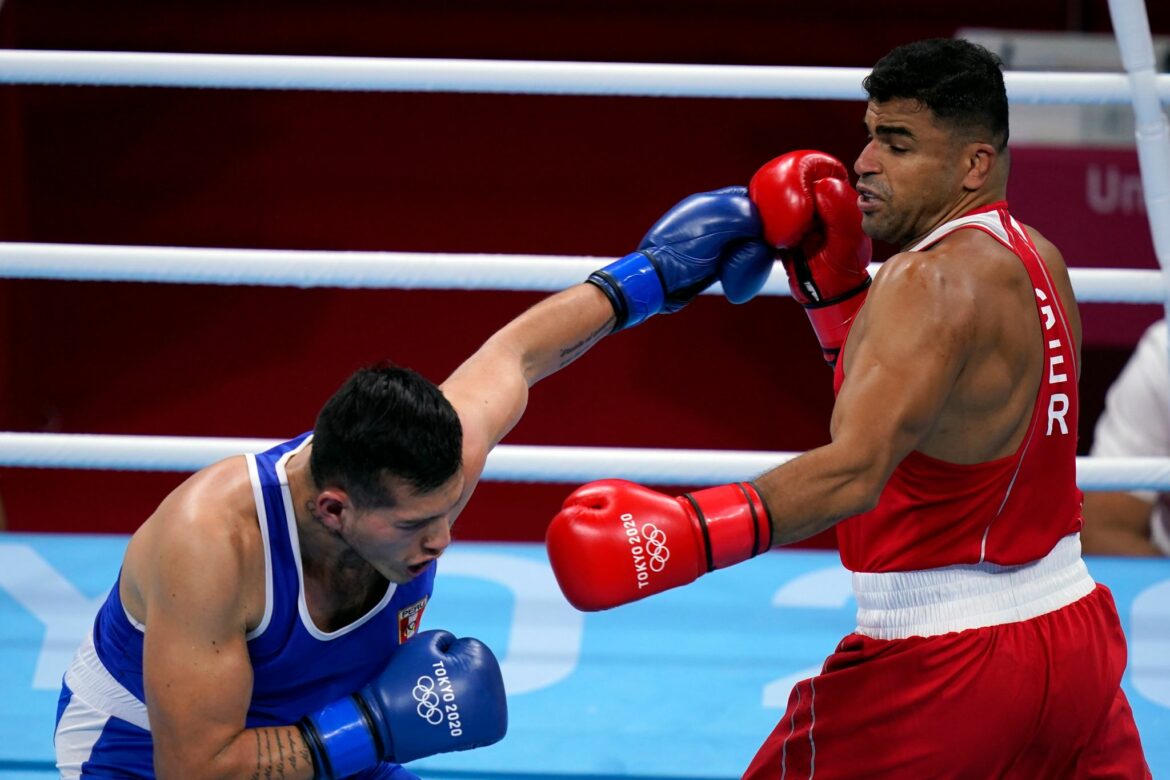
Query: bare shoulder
x,y
965,262
943,301
1058,270
1046,247
935,286
204,536
1051,255
929,269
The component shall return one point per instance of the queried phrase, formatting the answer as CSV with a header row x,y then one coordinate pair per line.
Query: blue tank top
x,y
296,666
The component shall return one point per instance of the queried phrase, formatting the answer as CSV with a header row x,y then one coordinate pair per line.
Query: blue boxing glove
x,y
437,694
705,236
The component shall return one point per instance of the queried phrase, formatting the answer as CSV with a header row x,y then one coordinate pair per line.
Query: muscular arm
x,y
189,574
1135,423
904,355
490,389
1117,524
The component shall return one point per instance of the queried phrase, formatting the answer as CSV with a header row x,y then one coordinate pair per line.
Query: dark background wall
x,y
428,172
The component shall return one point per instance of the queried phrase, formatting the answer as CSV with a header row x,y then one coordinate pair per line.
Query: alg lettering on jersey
x,y
1054,353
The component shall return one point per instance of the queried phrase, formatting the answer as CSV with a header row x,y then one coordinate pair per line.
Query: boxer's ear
x,y
979,159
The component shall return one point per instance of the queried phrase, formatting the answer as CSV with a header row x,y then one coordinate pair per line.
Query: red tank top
x,y
1011,510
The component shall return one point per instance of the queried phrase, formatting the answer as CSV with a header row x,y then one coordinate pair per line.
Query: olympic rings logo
x,y
428,700
656,546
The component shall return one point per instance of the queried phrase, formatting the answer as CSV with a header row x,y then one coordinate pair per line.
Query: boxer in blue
x,y
264,621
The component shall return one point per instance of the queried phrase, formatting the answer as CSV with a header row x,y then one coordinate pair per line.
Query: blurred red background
x,y
436,172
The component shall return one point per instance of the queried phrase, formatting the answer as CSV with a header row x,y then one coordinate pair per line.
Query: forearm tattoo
x,y
280,750
569,354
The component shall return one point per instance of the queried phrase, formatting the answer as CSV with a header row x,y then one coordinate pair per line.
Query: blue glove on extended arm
x,y
705,236
437,694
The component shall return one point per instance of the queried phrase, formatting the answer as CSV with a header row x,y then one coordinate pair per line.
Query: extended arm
x,y
704,237
905,353
1117,524
490,389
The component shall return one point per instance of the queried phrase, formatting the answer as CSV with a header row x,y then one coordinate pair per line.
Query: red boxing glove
x,y
810,215
615,541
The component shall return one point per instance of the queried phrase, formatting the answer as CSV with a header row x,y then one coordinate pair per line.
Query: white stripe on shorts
x,y
80,727
90,681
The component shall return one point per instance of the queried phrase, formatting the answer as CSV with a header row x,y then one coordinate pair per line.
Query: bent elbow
x,y
866,499
864,492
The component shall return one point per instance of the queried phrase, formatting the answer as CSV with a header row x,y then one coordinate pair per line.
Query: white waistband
x,y
897,605
92,682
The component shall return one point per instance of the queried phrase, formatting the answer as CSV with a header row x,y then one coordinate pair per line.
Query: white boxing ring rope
x,y
1142,86
506,463
378,74
408,270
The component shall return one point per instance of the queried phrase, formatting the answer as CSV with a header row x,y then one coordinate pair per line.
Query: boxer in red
x,y
983,648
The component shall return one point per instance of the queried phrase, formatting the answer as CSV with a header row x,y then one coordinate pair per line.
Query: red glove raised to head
x,y
615,541
810,215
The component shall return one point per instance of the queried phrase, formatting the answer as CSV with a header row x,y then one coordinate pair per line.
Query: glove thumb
x,y
745,270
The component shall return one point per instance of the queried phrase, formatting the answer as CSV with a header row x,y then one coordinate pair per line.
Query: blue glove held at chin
x,y
437,694
706,236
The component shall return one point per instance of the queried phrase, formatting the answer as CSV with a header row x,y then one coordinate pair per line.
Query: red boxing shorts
x,y
1034,698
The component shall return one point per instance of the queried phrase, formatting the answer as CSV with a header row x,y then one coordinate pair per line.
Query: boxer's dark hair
x,y
959,81
385,421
